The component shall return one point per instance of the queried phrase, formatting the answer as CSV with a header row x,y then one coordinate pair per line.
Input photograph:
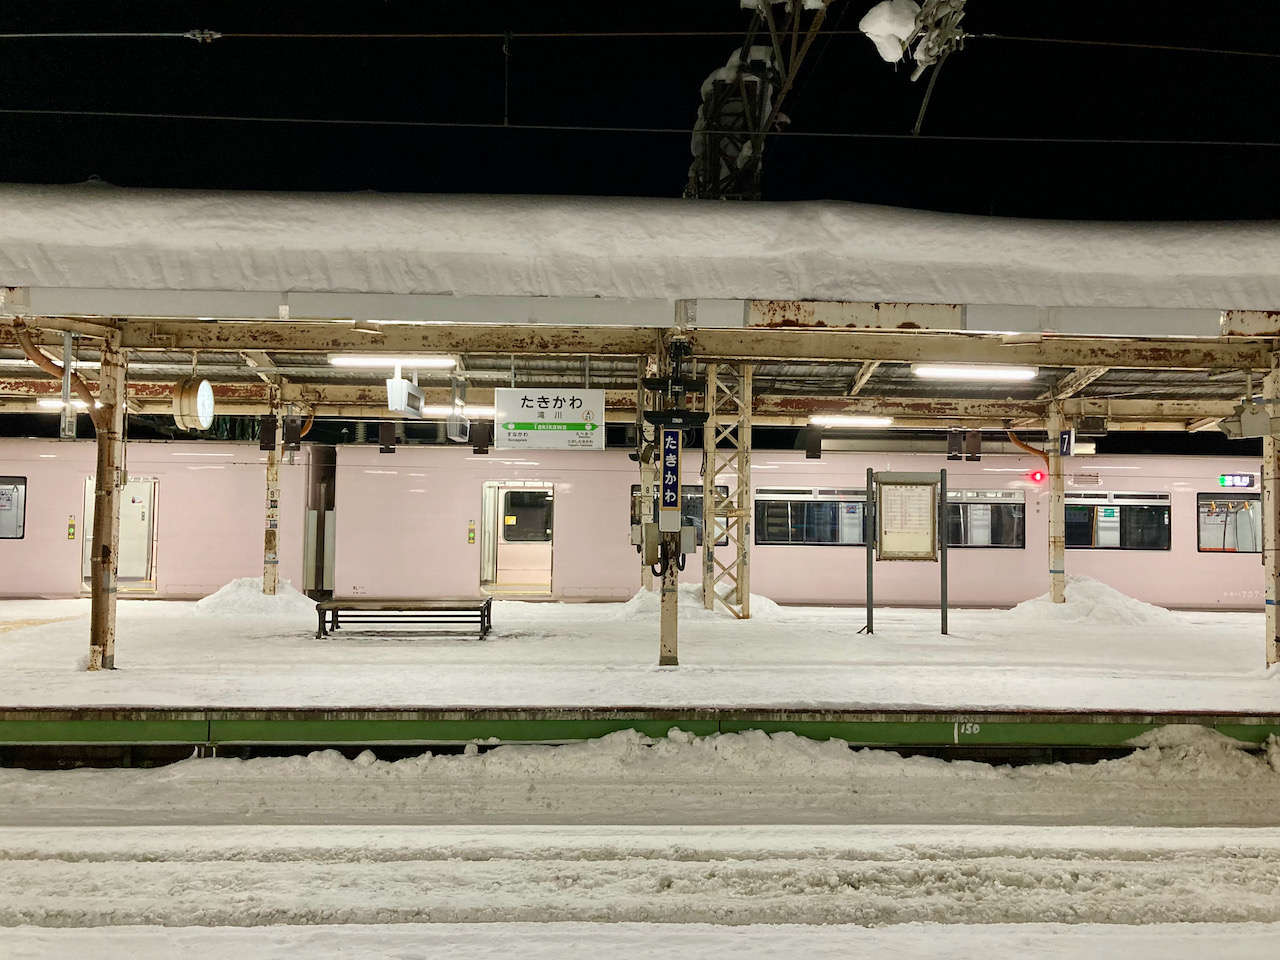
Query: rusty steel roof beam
x,y
250,391
445,339
750,345
1073,383
306,337
924,346
864,374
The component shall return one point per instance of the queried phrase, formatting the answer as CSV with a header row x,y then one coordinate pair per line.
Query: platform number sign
x,y
1067,443
669,483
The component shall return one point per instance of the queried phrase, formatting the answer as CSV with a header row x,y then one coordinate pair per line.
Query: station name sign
x,y
548,418
669,482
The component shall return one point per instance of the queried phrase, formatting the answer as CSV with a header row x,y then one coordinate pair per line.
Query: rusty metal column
x,y
669,627
1271,518
728,406
108,481
1057,512
271,535
709,487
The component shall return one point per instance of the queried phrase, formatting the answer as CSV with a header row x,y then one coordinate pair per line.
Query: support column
x,y
669,643
726,440
271,535
108,420
1271,518
1057,512
648,468
669,598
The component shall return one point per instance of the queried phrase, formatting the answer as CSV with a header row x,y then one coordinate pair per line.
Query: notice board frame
x,y
938,527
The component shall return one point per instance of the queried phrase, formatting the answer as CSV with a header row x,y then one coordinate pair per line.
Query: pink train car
x,y
444,521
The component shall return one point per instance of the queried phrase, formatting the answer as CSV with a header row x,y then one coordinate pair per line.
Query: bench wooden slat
x,y
435,603
383,610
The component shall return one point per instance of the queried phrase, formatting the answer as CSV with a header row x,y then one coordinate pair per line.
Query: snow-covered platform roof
x,y
95,236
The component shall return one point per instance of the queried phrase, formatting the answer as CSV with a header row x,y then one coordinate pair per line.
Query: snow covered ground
x,y
733,845
645,941
1101,651
1183,776
751,879
256,876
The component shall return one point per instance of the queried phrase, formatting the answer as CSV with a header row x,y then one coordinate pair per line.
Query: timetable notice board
x,y
906,521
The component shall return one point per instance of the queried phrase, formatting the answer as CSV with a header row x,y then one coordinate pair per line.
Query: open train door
x,y
517,534
136,571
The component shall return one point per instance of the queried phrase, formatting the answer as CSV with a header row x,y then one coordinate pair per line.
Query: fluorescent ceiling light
x,y
24,362
386,362
55,403
823,421
972,371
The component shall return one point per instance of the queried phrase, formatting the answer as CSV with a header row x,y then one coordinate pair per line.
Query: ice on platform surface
x,y
244,598
1099,651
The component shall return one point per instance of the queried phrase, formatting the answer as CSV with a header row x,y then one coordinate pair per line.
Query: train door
x,y
136,567
517,533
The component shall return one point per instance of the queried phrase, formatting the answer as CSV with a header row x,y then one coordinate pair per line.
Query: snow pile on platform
x,y
1092,601
1171,753
244,598
1211,754
646,605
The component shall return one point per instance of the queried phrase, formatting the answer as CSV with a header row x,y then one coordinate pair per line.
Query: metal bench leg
x,y
320,628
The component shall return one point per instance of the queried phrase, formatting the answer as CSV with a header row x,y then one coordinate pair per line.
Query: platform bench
x,y
445,610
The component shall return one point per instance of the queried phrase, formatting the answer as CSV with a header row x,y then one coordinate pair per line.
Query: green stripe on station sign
x,y
551,426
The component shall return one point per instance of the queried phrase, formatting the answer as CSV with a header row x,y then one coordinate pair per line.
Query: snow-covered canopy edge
x,y
99,236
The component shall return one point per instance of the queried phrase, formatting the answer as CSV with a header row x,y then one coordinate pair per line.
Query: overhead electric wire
x,y
578,128
1125,45
584,35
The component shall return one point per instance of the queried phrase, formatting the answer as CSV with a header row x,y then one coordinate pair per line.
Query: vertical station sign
x,y
548,418
669,483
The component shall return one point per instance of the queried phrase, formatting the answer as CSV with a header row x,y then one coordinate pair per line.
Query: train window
x,y
13,507
1118,521
526,516
986,518
1229,522
690,508
782,517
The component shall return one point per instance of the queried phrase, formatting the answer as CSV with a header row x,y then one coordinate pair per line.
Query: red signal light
x,y
1037,476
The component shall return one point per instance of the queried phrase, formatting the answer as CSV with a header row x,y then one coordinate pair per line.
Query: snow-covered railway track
x,y
376,875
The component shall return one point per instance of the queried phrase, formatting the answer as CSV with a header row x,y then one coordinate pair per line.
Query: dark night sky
x,y
992,88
